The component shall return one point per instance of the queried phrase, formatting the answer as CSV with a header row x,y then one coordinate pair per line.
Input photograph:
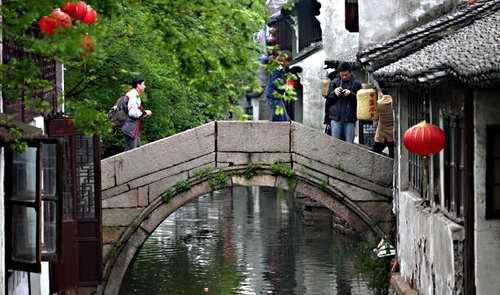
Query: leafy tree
x,y
197,57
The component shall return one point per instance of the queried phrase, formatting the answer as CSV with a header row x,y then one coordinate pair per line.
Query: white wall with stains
x,y
487,231
384,19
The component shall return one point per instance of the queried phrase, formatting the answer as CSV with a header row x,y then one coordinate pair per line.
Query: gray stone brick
x,y
254,158
182,167
349,158
107,173
161,186
125,200
253,136
165,153
119,217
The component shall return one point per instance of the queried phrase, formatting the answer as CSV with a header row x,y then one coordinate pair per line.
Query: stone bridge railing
x,y
343,177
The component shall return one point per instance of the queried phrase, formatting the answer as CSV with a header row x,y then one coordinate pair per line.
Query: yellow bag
x,y
325,84
367,103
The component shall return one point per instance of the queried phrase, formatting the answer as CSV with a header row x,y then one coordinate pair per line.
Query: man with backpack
x,y
131,128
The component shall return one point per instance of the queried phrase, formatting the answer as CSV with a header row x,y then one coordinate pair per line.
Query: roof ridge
x,y
430,31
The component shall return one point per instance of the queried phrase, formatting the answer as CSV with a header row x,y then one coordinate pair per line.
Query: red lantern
x,y
48,24
62,18
424,139
69,8
88,46
90,17
291,83
80,11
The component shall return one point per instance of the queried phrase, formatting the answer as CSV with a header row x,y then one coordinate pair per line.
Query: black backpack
x,y
118,114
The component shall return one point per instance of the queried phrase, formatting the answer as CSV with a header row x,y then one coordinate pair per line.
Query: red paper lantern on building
x,y
424,139
292,83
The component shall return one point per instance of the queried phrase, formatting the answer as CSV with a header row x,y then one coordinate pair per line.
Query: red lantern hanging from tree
x,y
69,8
48,24
90,17
62,18
80,11
424,139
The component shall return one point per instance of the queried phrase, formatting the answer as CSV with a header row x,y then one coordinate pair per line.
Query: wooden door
x,y
65,271
89,209
468,190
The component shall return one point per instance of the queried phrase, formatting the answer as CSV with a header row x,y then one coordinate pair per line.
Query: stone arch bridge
x,y
142,187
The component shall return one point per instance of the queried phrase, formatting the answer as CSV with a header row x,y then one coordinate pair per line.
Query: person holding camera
x,y
341,103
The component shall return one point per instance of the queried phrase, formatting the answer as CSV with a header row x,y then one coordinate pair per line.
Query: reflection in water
x,y
243,241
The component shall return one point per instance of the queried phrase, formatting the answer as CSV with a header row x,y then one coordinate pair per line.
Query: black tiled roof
x,y
394,49
471,55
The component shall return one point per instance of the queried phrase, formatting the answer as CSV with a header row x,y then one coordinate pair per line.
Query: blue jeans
x,y
132,143
343,130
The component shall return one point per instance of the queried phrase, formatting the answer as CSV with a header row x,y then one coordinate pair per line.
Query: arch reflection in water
x,y
244,241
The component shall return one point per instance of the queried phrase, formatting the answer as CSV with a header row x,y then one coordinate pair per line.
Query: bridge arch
x,y
141,188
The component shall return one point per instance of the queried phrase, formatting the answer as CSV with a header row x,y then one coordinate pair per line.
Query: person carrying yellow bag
x,y
384,136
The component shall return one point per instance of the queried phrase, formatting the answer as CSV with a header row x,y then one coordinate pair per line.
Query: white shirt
x,y
134,102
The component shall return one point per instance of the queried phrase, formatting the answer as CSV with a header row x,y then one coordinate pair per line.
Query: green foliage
x,y
198,59
202,173
167,196
283,169
250,171
375,270
218,180
289,5
182,186
18,145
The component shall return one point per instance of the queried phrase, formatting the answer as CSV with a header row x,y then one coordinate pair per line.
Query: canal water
x,y
244,241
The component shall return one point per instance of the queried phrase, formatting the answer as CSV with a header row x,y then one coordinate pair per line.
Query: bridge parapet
x,y
343,177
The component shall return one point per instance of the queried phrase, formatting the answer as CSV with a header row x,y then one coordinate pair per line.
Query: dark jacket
x,y
342,108
273,101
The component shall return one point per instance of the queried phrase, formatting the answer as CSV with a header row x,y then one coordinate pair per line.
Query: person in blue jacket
x,y
284,59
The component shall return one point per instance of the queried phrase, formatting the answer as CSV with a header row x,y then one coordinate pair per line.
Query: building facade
x,y
442,69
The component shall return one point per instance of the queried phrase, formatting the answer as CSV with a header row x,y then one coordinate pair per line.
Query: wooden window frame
x,y
36,205
491,132
418,110
352,25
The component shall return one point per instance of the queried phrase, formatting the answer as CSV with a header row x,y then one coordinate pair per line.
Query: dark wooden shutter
x,y
309,26
81,265
285,34
351,16
65,274
89,209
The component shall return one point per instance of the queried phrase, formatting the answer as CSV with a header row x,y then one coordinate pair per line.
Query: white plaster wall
x,y
487,246
338,43
425,247
313,103
384,19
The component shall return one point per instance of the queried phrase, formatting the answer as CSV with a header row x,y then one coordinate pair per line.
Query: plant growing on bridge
x,y
250,171
218,180
182,186
167,196
286,170
204,172
283,169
